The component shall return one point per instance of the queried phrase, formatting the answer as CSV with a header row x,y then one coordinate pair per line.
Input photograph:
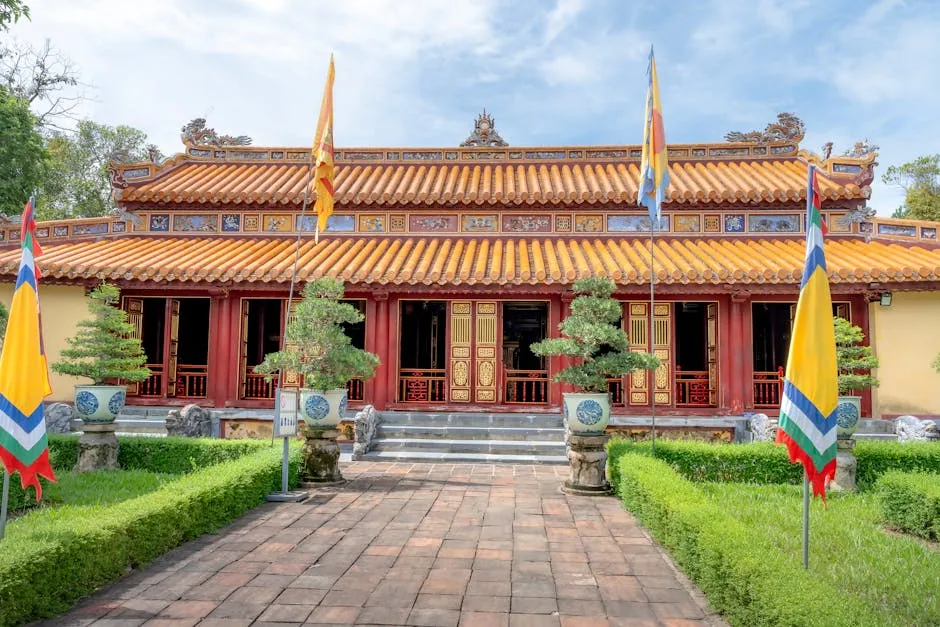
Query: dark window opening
x,y
423,333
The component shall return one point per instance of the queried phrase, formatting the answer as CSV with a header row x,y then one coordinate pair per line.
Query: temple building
x,y
461,257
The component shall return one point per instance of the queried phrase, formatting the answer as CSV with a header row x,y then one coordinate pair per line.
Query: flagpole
x,y
4,502
652,341
805,520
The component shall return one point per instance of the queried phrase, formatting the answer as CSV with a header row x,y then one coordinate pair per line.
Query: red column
x,y
566,297
554,363
861,318
231,350
215,363
735,349
370,346
726,375
380,337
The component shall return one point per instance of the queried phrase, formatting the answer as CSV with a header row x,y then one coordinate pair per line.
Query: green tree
x,y
22,154
317,345
103,349
11,11
78,183
853,360
920,180
592,334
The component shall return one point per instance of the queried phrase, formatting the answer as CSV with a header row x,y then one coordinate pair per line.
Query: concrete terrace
x,y
415,544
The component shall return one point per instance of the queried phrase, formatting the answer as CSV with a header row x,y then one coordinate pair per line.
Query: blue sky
x,y
416,72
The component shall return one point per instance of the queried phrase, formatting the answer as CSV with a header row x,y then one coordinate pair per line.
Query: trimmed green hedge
x,y
911,502
174,456
52,557
767,463
177,456
877,458
745,578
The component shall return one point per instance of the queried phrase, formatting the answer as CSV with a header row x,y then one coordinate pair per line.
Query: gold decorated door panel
x,y
711,352
474,345
461,343
135,316
641,384
172,345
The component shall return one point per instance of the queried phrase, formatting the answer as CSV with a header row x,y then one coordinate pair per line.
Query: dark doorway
x,y
154,329
261,334
525,374
771,335
422,351
193,348
696,354
357,332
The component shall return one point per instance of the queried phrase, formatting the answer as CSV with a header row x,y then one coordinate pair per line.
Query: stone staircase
x,y
469,437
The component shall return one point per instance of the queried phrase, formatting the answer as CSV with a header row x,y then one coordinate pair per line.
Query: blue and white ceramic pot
x,y
99,403
322,408
587,414
848,413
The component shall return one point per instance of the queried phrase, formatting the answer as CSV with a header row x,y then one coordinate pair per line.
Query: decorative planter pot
x,y
322,408
586,414
848,413
99,403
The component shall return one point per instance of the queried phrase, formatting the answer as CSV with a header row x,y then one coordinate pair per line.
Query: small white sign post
x,y
286,413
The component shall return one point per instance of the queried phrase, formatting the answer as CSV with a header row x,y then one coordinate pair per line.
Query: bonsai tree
x,y
317,345
104,348
854,361
591,334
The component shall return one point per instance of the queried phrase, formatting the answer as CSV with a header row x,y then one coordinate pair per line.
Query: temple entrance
x,y
262,320
422,360
357,337
525,375
696,354
174,333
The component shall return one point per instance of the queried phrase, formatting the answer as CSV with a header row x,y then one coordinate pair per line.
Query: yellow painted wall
x,y
62,307
906,339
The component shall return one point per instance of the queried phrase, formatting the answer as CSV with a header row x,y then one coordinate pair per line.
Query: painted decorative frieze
x,y
634,224
276,223
589,224
119,227
231,222
527,224
563,224
432,224
160,222
42,232
688,223
397,223
734,223
928,232
478,223
57,231
897,229
89,229
251,222
712,224
372,224
196,223
764,223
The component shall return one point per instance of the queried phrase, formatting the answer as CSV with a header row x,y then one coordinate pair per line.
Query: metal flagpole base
x,y
291,496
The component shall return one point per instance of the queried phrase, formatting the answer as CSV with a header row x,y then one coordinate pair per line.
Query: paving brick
x,y
238,609
534,605
286,613
484,619
434,618
188,609
384,615
438,601
533,620
336,615
473,603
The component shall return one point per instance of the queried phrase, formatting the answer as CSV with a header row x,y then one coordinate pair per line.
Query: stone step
x,y
880,437
471,419
452,458
460,432
499,447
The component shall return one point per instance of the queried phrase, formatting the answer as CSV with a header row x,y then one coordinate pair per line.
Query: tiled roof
x,y
570,182
487,261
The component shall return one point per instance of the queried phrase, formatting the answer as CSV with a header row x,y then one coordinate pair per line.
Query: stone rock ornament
x,y
192,421
762,428
59,418
913,429
366,425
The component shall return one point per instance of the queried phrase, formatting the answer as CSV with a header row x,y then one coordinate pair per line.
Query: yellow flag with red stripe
x,y
323,154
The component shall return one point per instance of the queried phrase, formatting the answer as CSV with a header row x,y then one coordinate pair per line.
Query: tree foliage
x,y
317,345
592,335
11,11
854,360
104,349
78,183
46,79
920,180
22,154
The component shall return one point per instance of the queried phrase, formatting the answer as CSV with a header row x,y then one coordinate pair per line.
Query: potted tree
x,y
592,335
318,348
854,362
105,351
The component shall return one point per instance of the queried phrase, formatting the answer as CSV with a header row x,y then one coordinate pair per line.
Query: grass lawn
x,y
896,576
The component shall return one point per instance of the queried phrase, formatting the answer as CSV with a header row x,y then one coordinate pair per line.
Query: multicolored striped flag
x,y
323,154
24,374
654,167
807,424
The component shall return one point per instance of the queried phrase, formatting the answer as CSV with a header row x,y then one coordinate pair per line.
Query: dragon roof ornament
x,y
195,133
484,133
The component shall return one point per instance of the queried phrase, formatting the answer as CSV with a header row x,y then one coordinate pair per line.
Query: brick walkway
x,y
415,544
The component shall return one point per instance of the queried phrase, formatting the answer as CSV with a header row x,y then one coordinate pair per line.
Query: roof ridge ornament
x,y
787,128
195,133
484,133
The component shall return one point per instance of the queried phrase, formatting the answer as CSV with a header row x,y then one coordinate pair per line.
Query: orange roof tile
x,y
570,182
478,261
